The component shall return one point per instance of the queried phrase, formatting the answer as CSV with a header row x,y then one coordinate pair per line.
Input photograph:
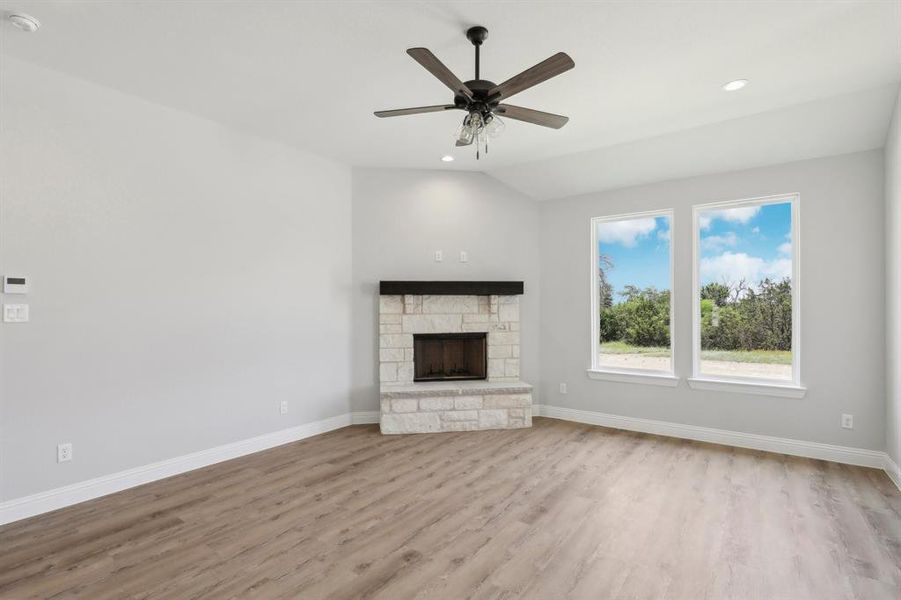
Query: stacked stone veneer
x,y
464,409
407,407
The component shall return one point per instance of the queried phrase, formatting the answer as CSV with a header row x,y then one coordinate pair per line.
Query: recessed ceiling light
x,y
447,158
735,85
24,22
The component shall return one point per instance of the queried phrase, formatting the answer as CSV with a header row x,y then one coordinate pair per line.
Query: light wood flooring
x,y
561,510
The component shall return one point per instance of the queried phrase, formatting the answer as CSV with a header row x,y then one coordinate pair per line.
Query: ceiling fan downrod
x,y
477,35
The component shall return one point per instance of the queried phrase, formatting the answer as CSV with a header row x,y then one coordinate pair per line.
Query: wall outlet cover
x,y
63,453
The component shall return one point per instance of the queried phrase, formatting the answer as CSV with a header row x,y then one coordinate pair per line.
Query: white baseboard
x,y
892,470
29,506
35,504
839,454
365,417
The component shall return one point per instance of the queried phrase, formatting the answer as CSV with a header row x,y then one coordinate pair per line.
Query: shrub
x,y
732,317
750,319
642,319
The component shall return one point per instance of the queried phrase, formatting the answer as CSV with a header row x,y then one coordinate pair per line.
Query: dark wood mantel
x,y
451,288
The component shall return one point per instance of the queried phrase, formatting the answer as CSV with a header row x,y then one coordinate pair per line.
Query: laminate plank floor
x,y
561,510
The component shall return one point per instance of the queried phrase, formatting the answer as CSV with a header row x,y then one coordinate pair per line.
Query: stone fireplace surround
x,y
500,402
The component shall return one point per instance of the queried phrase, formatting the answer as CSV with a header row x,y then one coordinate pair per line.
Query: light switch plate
x,y
15,313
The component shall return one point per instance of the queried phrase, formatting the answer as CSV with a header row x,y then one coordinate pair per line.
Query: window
x,y
631,301
746,291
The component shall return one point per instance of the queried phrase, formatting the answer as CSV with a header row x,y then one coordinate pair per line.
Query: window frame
x,y
630,375
753,385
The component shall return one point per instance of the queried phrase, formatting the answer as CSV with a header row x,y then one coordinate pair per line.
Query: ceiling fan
x,y
482,99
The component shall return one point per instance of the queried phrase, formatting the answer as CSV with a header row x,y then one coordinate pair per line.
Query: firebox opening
x,y
443,356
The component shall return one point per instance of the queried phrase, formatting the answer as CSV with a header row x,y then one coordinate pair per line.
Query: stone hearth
x,y
499,402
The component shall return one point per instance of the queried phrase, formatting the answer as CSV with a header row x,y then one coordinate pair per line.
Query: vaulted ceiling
x,y
645,93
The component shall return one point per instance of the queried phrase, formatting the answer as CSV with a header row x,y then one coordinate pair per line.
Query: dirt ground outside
x,y
719,368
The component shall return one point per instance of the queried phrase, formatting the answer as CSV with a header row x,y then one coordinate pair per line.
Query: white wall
x,y
842,297
400,217
185,279
893,285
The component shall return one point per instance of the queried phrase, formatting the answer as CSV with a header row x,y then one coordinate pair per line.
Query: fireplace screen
x,y
442,356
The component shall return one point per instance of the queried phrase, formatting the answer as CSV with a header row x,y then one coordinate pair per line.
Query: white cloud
x,y
625,232
740,215
663,235
785,248
715,243
732,267
755,230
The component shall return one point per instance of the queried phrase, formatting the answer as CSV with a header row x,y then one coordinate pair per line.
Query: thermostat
x,y
13,284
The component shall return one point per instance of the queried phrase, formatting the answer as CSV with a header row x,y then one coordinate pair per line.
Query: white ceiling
x,y
311,73
835,125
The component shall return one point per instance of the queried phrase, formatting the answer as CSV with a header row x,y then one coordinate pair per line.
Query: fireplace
x,y
433,336
449,356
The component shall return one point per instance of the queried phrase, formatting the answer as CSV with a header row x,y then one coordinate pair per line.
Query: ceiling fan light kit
x,y
482,99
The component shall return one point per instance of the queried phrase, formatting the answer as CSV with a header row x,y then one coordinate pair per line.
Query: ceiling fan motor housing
x,y
480,101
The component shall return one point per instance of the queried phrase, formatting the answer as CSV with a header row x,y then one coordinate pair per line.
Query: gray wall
x,y
401,217
185,280
843,339
893,285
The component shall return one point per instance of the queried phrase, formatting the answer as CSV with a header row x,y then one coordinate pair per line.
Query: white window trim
x,y
652,377
645,376
760,387
749,385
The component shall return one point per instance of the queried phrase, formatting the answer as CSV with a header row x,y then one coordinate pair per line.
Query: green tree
x,y
749,318
717,292
645,316
609,323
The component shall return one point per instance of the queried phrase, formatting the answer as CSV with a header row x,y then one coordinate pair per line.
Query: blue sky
x,y
639,250
748,242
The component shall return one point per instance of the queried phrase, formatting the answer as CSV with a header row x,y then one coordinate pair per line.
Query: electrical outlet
x,y
562,388
848,421
283,407
464,256
439,256
63,453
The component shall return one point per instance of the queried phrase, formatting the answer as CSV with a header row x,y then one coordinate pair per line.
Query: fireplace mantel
x,y
451,288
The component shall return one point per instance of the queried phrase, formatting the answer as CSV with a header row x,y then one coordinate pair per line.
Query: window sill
x,y
741,387
664,379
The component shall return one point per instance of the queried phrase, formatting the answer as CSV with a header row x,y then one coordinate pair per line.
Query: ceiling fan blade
x,y
529,115
551,67
434,66
414,111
